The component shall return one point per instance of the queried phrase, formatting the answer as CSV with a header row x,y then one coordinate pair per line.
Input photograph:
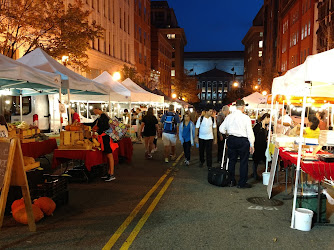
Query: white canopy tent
x,y
315,78
254,99
23,80
139,94
70,81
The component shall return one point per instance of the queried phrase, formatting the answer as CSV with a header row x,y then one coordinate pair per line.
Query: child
x,y
187,136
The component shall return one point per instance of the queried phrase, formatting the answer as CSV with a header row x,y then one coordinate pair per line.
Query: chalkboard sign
x,y
4,151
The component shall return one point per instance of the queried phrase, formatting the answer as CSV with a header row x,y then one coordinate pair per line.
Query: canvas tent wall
x,y
313,78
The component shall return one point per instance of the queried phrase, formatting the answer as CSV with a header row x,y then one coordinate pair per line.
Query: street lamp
x,y
235,84
174,95
256,87
264,92
64,60
116,76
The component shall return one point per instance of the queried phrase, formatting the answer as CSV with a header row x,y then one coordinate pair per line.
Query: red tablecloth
x,y
126,149
93,158
37,149
90,157
316,169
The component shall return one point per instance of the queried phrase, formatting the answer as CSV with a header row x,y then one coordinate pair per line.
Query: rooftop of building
x,y
215,73
214,54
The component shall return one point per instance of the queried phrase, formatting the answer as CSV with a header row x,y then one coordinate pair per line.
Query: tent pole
x,y
53,116
270,123
298,163
21,111
69,107
87,109
109,105
60,115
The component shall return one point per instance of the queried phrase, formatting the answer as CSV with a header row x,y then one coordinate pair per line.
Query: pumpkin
x,y
75,128
17,204
46,204
20,215
67,127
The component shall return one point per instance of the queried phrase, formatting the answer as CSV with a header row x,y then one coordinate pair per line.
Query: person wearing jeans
x,y
187,136
206,134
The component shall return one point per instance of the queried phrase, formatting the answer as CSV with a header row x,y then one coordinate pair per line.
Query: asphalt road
x,y
187,214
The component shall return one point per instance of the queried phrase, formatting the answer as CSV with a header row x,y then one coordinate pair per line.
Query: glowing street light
x,y
256,87
235,84
116,76
183,99
264,93
174,95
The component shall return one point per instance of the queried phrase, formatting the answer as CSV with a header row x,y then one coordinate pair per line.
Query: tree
x,y
185,86
49,24
129,72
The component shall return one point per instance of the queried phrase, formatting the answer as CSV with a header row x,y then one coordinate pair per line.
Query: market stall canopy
x,y
118,93
315,77
25,80
255,99
70,80
139,94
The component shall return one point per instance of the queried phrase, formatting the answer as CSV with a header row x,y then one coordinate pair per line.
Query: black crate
x,y
52,187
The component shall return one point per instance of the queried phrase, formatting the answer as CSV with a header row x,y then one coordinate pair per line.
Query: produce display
x,y
77,136
27,133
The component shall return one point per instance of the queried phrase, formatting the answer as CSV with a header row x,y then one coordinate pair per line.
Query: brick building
x,y
253,42
142,39
324,25
295,33
161,60
164,19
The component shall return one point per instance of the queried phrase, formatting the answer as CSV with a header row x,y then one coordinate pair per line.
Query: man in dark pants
x,y
206,133
221,137
240,142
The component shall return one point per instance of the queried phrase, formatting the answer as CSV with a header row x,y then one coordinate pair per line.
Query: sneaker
x,y
111,178
106,176
187,163
149,156
166,160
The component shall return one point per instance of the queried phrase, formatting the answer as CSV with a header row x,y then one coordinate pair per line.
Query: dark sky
x,y
215,25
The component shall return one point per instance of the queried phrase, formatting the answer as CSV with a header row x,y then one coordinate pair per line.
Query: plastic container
x,y
265,178
303,219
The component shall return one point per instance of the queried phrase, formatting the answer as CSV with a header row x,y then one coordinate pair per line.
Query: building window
x,y
309,27
260,44
260,53
171,36
261,34
172,72
173,54
203,96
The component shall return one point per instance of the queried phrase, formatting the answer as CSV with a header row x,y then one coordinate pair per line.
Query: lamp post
x,y
116,76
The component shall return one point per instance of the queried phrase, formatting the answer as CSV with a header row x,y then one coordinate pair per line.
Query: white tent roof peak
x,y
139,94
115,86
41,60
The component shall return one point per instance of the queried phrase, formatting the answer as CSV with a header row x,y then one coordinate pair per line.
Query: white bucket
x,y
265,178
303,219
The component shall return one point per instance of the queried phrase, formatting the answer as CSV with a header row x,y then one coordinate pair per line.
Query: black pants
x,y
238,146
205,145
186,149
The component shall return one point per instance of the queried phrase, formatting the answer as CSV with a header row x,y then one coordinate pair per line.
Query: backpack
x,y
169,123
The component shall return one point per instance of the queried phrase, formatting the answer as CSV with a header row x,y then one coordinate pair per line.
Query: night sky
x,y
215,25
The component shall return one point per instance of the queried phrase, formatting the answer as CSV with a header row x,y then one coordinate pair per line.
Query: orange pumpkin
x,y
67,127
17,205
75,128
20,215
46,204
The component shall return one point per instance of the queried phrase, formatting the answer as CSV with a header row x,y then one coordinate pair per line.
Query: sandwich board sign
x,y
12,173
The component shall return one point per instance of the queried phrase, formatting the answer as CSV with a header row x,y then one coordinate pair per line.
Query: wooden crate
x,y
69,138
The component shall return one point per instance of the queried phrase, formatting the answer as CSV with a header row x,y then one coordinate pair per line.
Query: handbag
x,y
117,130
220,176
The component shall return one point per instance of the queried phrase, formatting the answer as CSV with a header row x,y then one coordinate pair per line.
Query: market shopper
x,y
322,120
139,117
260,145
240,142
170,120
187,136
149,126
100,125
221,137
313,130
285,121
206,134
75,117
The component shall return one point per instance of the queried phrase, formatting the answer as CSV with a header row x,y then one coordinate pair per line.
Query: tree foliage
x,y
58,29
129,72
186,86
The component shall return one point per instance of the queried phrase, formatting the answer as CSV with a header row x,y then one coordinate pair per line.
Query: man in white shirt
x,y
206,133
240,142
285,122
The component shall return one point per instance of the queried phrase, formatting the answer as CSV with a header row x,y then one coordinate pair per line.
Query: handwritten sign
x,y
4,150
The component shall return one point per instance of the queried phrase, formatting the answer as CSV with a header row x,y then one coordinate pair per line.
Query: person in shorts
x,y
170,120
149,126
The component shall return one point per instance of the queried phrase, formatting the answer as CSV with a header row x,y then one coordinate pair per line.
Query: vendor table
x,y
38,149
93,157
316,169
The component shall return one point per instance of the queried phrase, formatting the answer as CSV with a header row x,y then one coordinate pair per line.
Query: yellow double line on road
x,y
136,210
